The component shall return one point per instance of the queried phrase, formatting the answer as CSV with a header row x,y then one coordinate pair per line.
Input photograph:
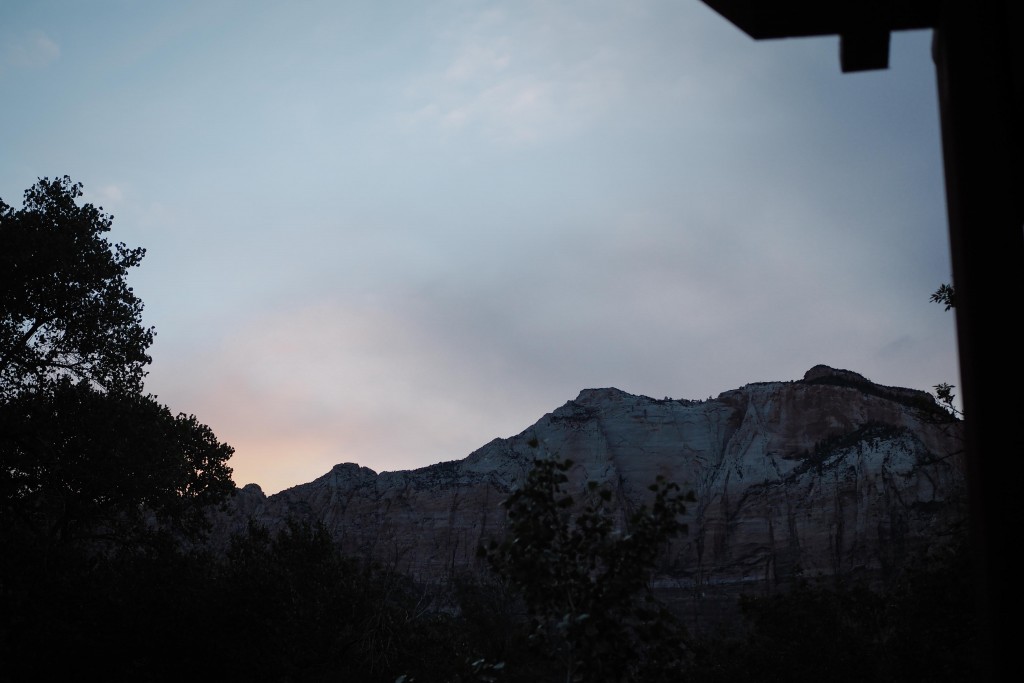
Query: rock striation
x,y
831,474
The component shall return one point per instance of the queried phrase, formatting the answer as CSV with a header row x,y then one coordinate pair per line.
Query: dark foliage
x,y
945,295
584,577
86,459
65,307
291,607
93,469
99,483
919,628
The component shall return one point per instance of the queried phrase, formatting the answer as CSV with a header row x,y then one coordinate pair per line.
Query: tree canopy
x,y
85,454
66,309
584,575
81,465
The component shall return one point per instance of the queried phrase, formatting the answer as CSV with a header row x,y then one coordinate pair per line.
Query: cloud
x,y
31,50
107,196
476,61
517,79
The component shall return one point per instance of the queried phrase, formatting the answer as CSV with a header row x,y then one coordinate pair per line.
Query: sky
x,y
389,232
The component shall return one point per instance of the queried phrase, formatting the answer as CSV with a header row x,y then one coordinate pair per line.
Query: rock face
x,y
831,474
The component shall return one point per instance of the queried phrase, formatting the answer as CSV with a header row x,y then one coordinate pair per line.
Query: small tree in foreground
x,y
585,578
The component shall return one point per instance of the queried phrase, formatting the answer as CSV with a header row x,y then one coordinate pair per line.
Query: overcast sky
x,y
389,232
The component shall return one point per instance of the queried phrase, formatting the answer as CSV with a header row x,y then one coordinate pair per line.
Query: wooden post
x,y
978,77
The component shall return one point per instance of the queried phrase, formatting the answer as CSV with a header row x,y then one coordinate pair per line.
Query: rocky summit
x,y
828,475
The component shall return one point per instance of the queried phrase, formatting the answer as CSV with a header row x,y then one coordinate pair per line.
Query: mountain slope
x,y
829,474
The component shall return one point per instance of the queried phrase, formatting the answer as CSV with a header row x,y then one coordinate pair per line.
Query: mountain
x,y
831,474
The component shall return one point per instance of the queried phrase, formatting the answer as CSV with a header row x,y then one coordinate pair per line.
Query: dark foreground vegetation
x,y
293,608
104,498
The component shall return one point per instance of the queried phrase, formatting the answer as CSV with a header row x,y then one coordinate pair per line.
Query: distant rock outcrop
x,y
832,474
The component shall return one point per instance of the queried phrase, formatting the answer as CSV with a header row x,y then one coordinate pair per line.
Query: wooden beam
x,y
762,19
864,50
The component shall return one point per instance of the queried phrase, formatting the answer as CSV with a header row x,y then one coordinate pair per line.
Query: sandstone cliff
x,y
828,474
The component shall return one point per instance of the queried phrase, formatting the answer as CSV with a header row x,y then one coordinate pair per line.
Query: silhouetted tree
x,y
944,392
585,578
84,454
99,482
291,606
93,468
945,295
65,307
